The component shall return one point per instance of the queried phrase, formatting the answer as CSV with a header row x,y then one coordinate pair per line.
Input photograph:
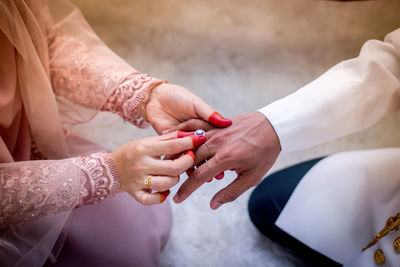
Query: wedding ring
x,y
200,132
147,182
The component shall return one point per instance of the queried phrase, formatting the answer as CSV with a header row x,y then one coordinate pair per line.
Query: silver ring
x,y
200,132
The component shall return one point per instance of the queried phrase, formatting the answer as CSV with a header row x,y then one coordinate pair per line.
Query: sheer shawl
x,y
28,24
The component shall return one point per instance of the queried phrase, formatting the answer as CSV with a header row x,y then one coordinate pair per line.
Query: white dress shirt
x,y
343,201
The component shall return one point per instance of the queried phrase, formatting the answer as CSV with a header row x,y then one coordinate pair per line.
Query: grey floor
x,y
238,56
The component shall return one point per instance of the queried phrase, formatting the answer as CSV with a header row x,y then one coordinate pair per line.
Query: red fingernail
x,y
184,134
209,181
220,176
164,195
190,153
217,120
197,140
190,171
202,138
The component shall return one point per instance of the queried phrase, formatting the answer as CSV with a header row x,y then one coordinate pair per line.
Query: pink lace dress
x,y
116,232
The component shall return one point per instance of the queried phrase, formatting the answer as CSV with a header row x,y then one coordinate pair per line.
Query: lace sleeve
x,y
32,189
97,78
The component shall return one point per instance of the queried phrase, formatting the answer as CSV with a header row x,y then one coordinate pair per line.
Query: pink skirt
x,y
116,232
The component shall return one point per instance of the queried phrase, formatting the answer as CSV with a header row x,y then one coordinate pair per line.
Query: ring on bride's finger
x,y
200,132
147,181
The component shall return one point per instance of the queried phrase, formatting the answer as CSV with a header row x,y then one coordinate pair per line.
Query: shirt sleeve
x,y
33,189
350,97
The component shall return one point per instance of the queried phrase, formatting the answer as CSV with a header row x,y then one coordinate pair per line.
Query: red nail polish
x,y
220,176
217,120
190,171
197,140
202,139
164,195
184,134
209,181
190,153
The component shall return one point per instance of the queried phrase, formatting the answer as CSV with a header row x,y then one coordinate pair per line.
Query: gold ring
x,y
147,182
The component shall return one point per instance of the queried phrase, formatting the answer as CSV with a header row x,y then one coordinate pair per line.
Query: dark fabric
x,y
268,200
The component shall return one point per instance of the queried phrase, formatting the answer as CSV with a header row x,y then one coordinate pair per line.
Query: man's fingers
x,y
201,175
146,198
172,157
202,153
233,190
173,167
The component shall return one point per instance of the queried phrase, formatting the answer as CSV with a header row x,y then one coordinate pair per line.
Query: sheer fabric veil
x,y
28,24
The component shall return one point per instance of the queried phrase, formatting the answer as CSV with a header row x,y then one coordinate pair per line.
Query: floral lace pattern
x,y
85,77
127,99
29,190
99,176
97,78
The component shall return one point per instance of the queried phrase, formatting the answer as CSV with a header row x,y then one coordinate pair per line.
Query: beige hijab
x,y
27,25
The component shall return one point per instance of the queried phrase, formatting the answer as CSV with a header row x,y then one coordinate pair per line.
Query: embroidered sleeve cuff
x,y
129,98
99,177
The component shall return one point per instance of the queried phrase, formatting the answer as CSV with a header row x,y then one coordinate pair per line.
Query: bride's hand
x,y
142,171
171,105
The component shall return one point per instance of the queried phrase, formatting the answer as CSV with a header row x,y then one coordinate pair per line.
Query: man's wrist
x,y
270,128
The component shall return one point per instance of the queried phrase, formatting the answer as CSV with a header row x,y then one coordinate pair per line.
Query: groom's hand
x,y
249,146
171,105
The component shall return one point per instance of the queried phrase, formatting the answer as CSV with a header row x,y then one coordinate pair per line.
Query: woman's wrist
x,y
99,177
131,96
142,108
116,156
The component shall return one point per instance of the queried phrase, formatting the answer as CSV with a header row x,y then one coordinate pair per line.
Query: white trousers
x,y
343,202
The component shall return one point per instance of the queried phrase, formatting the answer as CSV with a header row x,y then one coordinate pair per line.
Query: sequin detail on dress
x,y
97,79
29,190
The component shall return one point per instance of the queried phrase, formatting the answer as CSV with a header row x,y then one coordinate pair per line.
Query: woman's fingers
x,y
207,113
174,135
201,175
174,146
191,125
147,198
216,119
173,167
160,183
172,157
203,153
